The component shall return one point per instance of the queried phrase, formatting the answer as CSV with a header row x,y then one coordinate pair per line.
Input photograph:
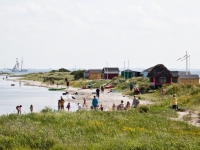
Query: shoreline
x,y
106,98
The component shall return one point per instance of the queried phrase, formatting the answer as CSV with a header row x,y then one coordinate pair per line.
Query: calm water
x,y
39,97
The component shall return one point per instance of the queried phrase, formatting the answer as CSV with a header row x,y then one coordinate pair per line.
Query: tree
x,y
78,74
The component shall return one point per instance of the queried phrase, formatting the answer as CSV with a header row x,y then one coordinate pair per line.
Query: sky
x,y
93,34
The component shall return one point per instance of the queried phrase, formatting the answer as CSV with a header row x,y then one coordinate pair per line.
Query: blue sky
x,y
88,34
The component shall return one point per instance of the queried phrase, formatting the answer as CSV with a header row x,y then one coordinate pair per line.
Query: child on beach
x,y
68,106
62,102
79,107
31,108
101,107
121,106
84,102
102,89
113,107
19,109
174,103
128,105
162,92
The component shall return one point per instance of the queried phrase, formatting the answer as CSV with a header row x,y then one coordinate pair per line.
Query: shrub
x,y
143,109
47,110
78,74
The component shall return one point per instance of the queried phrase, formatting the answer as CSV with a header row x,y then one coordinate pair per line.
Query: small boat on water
x,y
56,89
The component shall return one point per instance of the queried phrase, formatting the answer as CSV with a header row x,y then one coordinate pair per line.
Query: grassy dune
x,y
46,77
146,127
133,129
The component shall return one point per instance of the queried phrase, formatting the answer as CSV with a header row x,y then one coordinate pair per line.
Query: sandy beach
x,y
106,98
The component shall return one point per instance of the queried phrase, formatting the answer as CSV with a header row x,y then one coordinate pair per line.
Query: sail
x,y
15,67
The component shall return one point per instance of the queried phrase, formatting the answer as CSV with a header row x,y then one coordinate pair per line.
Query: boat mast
x,y
21,63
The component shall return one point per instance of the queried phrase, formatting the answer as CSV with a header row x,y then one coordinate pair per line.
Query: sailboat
x,y
16,68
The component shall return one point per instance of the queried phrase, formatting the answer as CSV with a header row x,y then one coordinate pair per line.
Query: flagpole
x,y
186,63
128,69
107,70
124,71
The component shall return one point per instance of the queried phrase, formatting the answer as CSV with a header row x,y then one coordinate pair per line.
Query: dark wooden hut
x,y
159,75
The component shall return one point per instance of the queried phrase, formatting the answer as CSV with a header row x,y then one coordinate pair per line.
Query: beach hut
x,y
129,73
145,72
159,75
94,74
176,74
194,79
110,72
86,74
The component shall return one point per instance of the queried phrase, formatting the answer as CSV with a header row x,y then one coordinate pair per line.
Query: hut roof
x,y
111,70
189,76
148,70
127,70
178,73
94,70
159,71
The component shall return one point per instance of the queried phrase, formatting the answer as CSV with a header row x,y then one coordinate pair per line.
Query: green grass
x,y
97,130
59,77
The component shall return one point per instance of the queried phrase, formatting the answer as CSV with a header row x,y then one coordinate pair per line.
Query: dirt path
x,y
191,117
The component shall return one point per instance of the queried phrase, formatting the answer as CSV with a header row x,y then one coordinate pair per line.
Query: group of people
x,y
61,104
122,106
19,109
136,89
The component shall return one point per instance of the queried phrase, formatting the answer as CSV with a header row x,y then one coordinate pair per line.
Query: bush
x,y
47,110
63,70
143,109
78,74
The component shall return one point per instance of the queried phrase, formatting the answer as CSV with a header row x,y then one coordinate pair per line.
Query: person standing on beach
x,y
31,108
95,102
127,105
67,84
174,103
101,107
19,111
68,106
79,107
20,83
97,92
84,102
62,102
121,106
102,89
59,105
113,107
131,86
135,102
52,81
162,92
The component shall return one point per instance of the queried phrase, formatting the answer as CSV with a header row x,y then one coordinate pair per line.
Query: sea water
x,y
39,97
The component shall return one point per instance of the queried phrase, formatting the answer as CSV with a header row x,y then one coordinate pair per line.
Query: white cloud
x,y
99,30
137,9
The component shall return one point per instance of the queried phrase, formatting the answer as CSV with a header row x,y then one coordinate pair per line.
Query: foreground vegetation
x,y
133,129
146,127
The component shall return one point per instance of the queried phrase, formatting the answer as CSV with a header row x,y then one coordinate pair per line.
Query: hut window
x,y
162,80
151,79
